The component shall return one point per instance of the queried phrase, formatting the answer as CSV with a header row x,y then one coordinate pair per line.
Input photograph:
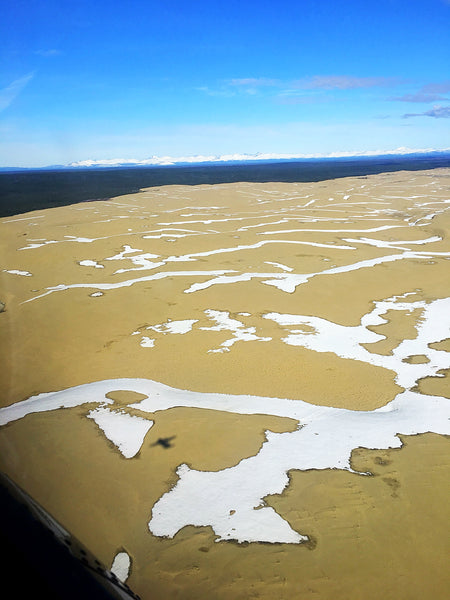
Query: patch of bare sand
x,y
443,345
436,386
402,324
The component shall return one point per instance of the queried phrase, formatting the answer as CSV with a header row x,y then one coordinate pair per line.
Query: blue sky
x,y
102,80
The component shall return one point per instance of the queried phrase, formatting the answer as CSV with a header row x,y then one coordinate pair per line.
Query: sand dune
x,y
243,387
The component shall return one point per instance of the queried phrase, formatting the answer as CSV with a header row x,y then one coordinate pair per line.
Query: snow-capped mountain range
x,y
259,156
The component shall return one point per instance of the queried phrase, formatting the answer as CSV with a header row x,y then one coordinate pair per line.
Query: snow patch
x,y
123,430
121,566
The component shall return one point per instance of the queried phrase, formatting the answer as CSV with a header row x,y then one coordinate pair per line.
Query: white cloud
x,y
10,93
438,112
254,85
430,92
341,82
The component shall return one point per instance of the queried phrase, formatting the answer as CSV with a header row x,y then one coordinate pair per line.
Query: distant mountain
x,y
244,158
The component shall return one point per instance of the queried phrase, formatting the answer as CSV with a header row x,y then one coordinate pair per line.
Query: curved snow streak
x,y
396,245
162,397
25,219
302,219
70,238
171,233
52,401
38,243
18,272
271,214
127,283
194,208
223,279
370,230
288,282
279,265
194,255
209,221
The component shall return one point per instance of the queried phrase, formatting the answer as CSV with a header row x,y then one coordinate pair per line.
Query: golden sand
x,y
380,536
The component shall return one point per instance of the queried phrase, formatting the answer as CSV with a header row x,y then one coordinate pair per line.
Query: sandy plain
x,y
220,289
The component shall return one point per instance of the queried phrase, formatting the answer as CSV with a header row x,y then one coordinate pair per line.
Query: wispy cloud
x,y
418,97
10,93
341,82
239,86
293,97
48,53
254,82
220,92
441,87
289,90
438,112
431,92
251,85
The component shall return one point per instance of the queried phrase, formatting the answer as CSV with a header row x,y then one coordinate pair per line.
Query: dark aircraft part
x,y
39,555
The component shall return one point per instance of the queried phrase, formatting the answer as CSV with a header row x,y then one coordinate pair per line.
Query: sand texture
x,y
240,390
